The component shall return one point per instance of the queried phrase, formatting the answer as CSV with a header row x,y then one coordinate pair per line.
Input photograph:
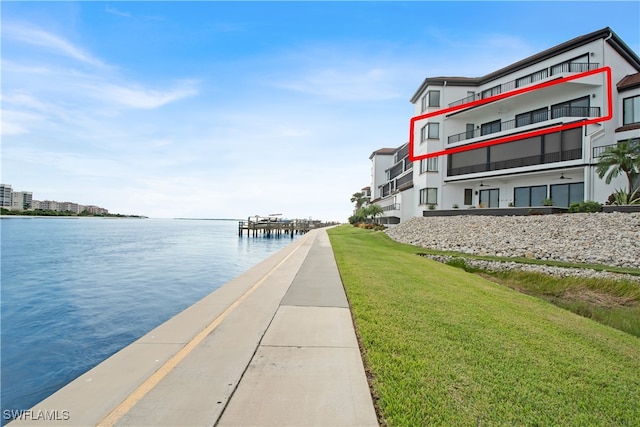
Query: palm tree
x,y
359,199
373,211
621,158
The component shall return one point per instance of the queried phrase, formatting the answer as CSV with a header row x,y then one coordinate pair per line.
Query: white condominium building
x,y
555,133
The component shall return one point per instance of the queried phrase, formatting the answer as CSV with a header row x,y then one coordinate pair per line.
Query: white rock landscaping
x,y
592,238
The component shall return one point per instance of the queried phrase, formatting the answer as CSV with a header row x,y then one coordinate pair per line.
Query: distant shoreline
x,y
4,216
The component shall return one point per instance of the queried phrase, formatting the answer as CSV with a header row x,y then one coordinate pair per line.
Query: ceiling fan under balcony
x,y
563,177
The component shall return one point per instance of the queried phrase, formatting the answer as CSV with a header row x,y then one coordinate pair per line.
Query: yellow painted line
x,y
148,385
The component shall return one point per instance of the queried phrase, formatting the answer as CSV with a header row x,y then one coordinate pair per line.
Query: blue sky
x,y
231,109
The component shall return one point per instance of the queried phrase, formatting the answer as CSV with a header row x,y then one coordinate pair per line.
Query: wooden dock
x,y
273,226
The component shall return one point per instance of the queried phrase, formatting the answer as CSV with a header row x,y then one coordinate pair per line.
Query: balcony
x,y
399,168
391,207
537,117
565,67
399,184
404,182
597,151
402,153
561,156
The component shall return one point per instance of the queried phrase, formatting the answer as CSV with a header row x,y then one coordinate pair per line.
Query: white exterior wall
x,y
560,166
598,189
451,188
379,164
20,199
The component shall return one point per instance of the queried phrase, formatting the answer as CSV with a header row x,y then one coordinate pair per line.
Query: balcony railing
x,y
597,151
385,190
560,156
404,181
402,153
394,185
573,67
391,207
400,168
396,170
566,67
537,117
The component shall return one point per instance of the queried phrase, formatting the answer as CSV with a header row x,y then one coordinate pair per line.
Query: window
x,y
522,81
429,196
491,92
575,65
529,196
491,127
574,108
468,196
534,77
490,198
631,110
565,194
532,117
430,131
434,98
470,129
431,99
429,165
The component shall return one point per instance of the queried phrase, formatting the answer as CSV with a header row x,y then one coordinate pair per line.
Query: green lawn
x,y
447,347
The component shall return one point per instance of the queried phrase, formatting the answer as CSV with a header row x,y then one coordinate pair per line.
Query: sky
x,y
234,109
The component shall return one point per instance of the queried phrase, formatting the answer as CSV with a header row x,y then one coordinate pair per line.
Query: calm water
x,y
77,290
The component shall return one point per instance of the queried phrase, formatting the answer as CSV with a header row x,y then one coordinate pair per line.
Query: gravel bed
x,y
595,238
546,269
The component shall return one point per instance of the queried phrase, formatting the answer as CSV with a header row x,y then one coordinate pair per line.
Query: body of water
x,y
76,290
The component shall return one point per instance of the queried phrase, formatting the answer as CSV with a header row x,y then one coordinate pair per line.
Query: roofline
x,y
628,86
612,38
383,152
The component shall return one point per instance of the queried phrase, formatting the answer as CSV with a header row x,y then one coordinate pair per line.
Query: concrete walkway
x,y
274,347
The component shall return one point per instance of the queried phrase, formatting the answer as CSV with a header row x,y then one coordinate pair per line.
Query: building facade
x,y
21,200
557,167
5,196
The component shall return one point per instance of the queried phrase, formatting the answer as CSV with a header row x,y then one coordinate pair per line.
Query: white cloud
x,y
354,82
18,122
139,97
114,11
51,42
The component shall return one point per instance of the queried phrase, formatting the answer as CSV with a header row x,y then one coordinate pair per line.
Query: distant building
x,y
95,210
48,205
366,192
69,207
529,171
21,200
5,196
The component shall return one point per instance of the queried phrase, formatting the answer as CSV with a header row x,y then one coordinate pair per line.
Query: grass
x,y
614,303
446,347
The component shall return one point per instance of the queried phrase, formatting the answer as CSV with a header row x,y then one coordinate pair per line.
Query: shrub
x,y
588,206
621,197
457,262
